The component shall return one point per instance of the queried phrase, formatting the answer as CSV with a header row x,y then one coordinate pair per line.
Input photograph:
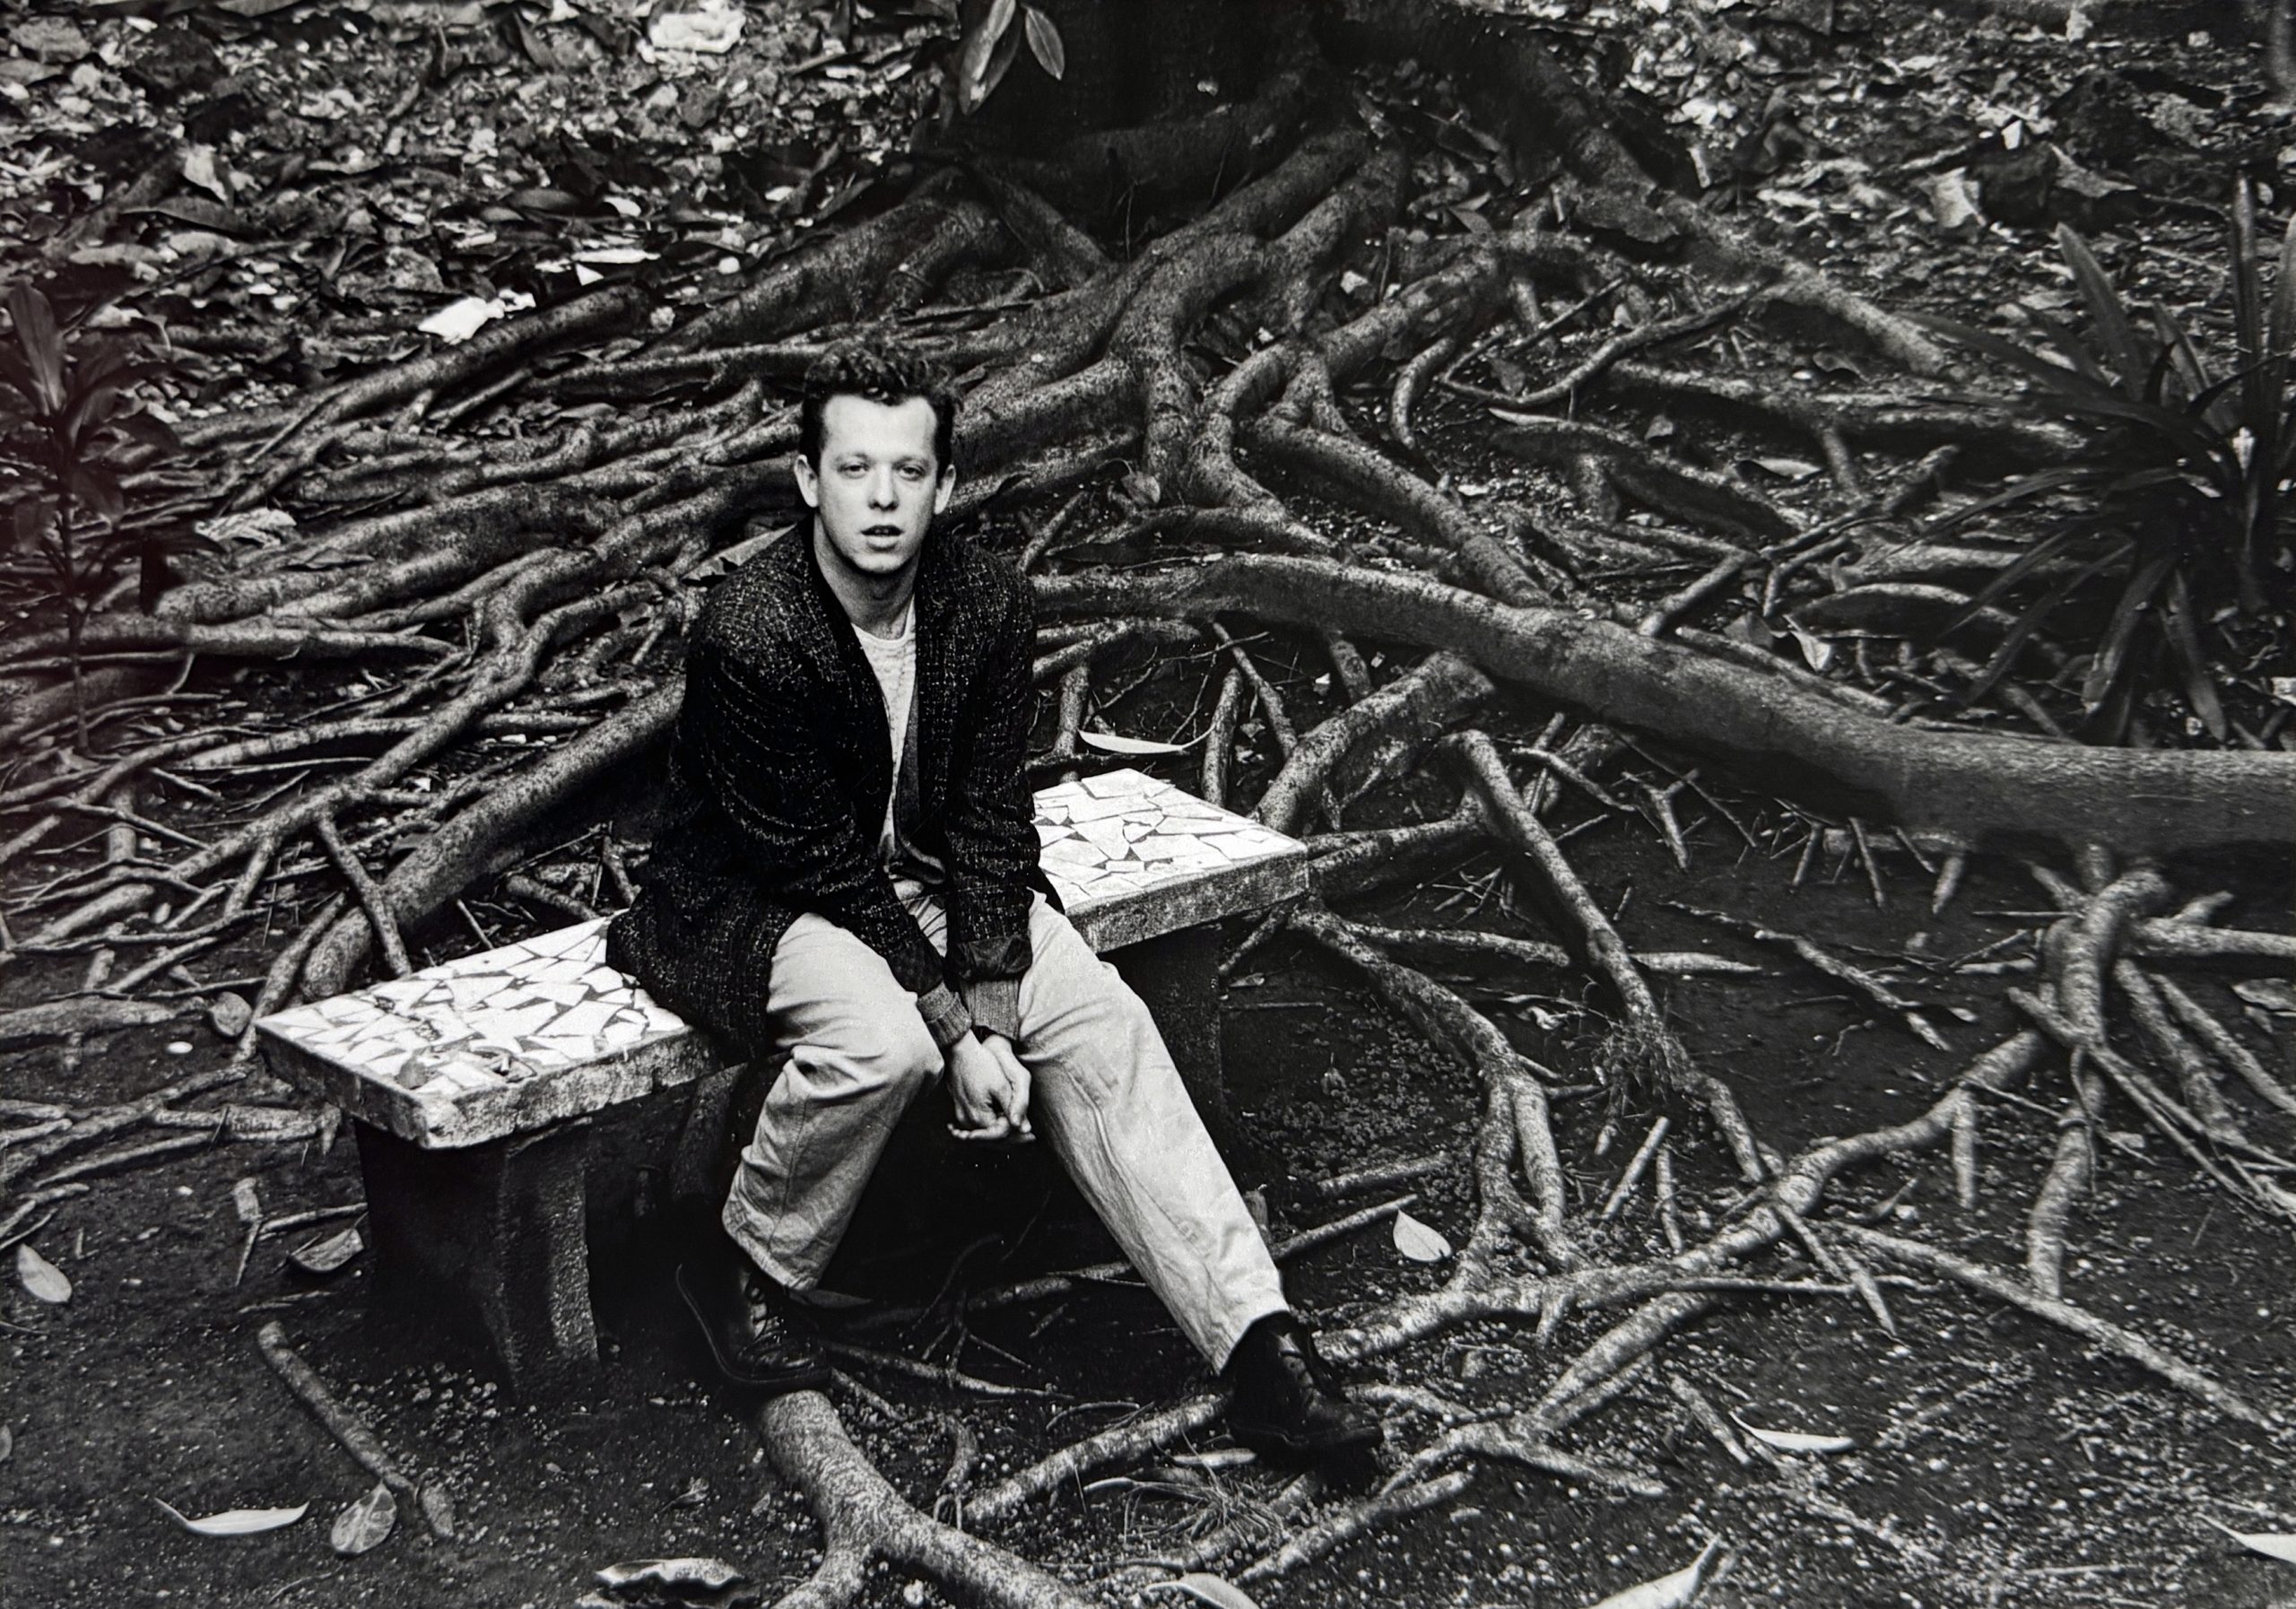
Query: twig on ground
x,y
348,1428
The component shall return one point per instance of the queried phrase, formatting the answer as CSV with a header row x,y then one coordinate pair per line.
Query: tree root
x,y
2213,1033
1642,1051
1321,1538
538,577
1352,863
1859,981
470,843
1135,1438
2108,1335
353,1431
2196,1080
2067,1183
1468,1035
863,1518
1401,718
111,1120
1974,789
1697,496
52,1020
1463,943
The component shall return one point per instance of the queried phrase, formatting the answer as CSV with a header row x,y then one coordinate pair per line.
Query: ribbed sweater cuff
x,y
994,1003
944,1014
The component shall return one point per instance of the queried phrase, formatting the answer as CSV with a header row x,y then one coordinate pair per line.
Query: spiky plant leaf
x,y
2053,378
2028,626
2127,357
2181,350
2183,634
2106,670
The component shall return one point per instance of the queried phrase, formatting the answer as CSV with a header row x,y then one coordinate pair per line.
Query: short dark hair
x,y
885,375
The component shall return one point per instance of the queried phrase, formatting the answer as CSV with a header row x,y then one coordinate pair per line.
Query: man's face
x,y
877,486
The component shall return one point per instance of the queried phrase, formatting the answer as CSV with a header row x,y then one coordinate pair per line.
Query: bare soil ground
x,y
1998,1462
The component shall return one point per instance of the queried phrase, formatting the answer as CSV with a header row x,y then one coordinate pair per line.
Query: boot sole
x,y
801,1375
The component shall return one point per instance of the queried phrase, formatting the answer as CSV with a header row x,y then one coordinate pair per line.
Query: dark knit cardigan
x,y
779,775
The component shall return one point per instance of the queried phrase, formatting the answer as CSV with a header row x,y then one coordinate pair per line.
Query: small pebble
x,y
178,1047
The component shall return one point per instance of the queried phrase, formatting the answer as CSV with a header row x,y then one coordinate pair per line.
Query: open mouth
x,y
881,531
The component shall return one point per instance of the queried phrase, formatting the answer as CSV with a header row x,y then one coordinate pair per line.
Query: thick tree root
x,y
1468,1035
2068,1182
863,1518
1401,718
1974,789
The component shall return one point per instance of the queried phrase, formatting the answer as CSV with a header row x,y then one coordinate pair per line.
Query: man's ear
x,y
809,484
942,488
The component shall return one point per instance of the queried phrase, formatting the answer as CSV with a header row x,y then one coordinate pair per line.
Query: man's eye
x,y
912,471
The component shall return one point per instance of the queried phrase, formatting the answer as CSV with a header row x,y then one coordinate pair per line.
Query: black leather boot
x,y
1284,1399
757,1336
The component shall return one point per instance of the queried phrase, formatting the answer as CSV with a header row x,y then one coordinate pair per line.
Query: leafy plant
x,y
2166,516
71,431
989,42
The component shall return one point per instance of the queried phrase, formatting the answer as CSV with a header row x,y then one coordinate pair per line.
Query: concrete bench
x,y
473,1084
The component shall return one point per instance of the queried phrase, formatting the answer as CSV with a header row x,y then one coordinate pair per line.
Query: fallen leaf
x,y
1215,1590
709,1575
1785,469
261,527
437,1509
365,1522
458,321
231,1014
199,169
1954,207
1117,744
245,1202
1816,651
712,29
2270,993
41,1277
1667,1592
1795,1441
1044,41
234,1522
50,40
1418,1241
2271,1544
328,1255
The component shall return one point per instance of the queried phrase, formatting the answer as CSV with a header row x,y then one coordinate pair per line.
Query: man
x,y
847,884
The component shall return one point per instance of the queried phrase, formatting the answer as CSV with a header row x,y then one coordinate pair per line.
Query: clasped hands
x,y
989,1089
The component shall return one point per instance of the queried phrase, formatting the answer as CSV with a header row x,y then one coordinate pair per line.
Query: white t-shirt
x,y
894,660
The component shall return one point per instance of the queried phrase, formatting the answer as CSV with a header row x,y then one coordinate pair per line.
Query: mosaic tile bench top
x,y
503,1042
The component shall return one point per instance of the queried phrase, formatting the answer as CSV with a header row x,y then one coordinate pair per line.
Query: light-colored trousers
x,y
1103,1093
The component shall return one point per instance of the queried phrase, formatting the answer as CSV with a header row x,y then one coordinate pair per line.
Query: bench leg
x,y
706,1140
1177,976
499,1226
